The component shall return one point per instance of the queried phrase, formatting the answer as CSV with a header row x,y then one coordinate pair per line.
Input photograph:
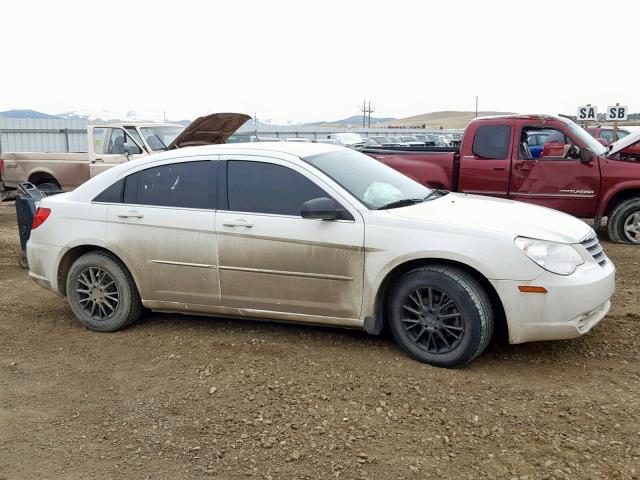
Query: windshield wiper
x,y
436,193
400,203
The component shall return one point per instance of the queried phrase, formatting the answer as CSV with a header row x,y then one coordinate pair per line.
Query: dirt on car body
x,y
191,397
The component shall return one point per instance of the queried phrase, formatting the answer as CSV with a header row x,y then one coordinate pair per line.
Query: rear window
x,y
492,142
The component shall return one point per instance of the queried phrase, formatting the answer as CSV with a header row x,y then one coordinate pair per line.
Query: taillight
x,y
1,167
41,215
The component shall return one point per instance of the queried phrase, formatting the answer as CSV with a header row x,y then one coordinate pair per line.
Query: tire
x,y
104,303
50,187
455,331
625,212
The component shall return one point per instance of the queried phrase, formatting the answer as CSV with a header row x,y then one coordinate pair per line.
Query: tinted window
x,y
185,185
268,188
492,141
112,194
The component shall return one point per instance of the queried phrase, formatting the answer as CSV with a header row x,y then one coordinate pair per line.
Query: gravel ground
x,y
191,397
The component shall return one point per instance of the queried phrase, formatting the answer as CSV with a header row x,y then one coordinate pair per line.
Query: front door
x,y
272,259
164,231
557,179
111,146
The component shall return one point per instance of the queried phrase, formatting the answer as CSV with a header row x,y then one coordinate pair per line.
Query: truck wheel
x,y
623,224
101,293
49,187
440,315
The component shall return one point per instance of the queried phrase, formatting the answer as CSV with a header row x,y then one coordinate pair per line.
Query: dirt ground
x,y
191,397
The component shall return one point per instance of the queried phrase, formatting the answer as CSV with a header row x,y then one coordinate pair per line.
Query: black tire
x,y
617,219
458,293
22,261
119,299
49,187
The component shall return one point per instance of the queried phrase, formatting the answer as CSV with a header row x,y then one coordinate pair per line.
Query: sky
x,y
318,60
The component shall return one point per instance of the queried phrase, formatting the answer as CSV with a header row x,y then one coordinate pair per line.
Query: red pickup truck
x,y
573,172
605,135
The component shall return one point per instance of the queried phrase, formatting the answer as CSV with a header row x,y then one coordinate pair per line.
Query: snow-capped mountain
x,y
107,116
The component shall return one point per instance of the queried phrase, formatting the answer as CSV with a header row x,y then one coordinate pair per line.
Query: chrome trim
x,y
286,273
553,195
484,192
183,264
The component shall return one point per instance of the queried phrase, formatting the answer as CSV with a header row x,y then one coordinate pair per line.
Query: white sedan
x,y
319,234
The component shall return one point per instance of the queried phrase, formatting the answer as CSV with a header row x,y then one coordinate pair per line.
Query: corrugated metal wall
x,y
42,135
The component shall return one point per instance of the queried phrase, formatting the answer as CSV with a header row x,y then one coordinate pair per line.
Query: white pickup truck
x,y
109,145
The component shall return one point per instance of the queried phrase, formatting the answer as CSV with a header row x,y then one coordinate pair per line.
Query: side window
x,y
112,140
492,141
182,185
99,139
607,135
112,194
268,188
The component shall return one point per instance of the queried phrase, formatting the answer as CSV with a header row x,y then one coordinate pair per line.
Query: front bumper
x,y
571,307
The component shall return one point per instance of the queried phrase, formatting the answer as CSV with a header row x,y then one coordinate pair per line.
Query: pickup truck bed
x,y
69,169
435,167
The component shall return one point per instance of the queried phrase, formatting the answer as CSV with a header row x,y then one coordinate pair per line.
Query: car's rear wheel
x,y
623,225
440,315
101,292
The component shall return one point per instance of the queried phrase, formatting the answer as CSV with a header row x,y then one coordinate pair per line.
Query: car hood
x,y
476,212
210,130
624,142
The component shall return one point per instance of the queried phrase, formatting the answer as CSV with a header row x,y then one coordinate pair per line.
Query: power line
x,y
366,111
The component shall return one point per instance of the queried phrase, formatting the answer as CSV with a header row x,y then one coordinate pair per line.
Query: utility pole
x,y
366,111
164,116
615,126
476,106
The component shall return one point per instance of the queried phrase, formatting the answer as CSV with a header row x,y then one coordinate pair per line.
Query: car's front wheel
x,y
440,315
102,293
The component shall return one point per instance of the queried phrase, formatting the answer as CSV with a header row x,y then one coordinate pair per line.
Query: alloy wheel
x,y
97,292
432,320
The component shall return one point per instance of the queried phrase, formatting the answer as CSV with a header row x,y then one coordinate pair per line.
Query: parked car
x,y
575,173
380,141
320,234
427,140
411,141
297,139
536,141
347,139
110,145
605,134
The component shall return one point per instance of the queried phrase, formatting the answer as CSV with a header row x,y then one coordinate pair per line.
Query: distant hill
x,y
444,119
26,114
354,120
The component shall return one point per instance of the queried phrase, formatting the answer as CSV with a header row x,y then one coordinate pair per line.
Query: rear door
x,y
551,180
164,230
485,160
110,146
272,259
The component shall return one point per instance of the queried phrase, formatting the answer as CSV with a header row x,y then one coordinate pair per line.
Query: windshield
x,y
159,138
381,139
367,179
591,143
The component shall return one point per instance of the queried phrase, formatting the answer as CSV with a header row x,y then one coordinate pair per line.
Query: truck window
x,y
111,141
544,143
492,141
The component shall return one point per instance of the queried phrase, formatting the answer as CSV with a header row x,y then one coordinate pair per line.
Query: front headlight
x,y
559,258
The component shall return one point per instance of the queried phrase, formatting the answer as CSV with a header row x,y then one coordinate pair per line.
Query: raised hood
x,y
624,142
499,215
209,130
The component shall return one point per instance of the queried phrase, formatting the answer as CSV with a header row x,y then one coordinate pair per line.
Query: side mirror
x,y
321,208
586,155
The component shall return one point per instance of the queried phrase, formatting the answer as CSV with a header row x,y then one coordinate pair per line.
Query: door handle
x,y
239,222
499,169
96,160
130,214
